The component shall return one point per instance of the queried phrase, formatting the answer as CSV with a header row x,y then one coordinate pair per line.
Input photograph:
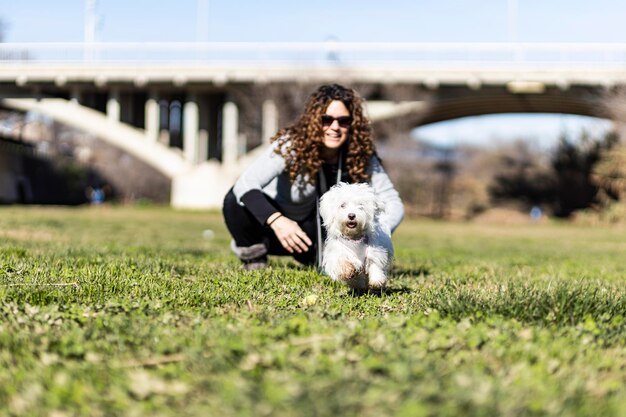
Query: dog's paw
x,y
376,279
347,271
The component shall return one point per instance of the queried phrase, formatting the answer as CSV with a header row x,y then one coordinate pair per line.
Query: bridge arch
x,y
134,141
454,103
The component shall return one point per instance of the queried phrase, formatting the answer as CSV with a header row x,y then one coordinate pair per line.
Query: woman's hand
x,y
290,235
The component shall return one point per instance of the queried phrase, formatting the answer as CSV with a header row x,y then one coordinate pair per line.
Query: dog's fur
x,y
358,249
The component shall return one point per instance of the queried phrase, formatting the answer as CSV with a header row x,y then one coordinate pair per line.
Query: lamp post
x,y
92,23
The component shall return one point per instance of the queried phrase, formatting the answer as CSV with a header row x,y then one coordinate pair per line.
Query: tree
x,y
609,175
573,164
564,185
522,177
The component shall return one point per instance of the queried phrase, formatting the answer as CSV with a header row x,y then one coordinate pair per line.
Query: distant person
x,y
273,206
96,195
536,213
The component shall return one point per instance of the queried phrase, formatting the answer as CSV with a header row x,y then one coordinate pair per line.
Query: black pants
x,y
247,231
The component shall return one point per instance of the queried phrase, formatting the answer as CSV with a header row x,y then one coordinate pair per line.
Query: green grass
x,y
130,311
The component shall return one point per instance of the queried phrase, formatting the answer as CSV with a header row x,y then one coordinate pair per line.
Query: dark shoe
x,y
255,264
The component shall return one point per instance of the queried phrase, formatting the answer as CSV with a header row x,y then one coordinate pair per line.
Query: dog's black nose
x,y
351,216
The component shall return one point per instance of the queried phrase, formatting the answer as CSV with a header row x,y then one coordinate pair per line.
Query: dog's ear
x,y
323,207
377,203
329,201
327,206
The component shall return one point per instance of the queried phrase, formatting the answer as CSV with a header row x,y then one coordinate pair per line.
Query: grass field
x,y
132,311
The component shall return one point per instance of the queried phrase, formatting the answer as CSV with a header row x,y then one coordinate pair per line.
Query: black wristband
x,y
275,218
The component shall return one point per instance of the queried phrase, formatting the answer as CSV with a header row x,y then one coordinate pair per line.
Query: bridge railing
x,y
321,53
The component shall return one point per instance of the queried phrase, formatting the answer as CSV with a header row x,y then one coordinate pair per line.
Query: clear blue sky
x,y
344,20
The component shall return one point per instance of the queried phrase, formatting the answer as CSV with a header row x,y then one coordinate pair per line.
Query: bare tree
x,y
610,172
610,175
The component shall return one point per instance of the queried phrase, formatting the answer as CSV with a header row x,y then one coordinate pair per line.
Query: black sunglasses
x,y
344,121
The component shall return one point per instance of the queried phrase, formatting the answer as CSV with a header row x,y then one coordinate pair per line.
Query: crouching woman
x,y
273,207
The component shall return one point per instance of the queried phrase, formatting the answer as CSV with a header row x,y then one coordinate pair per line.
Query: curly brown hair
x,y
305,136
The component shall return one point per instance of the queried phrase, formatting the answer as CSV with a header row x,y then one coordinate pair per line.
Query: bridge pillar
x,y
113,105
152,117
203,128
75,95
190,128
230,133
269,121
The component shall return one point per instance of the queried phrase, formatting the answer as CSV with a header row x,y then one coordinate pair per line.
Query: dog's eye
x,y
343,205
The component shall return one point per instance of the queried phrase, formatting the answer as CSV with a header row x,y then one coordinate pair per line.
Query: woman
x,y
272,208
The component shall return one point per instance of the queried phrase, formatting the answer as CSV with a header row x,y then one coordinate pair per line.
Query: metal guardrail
x,y
329,53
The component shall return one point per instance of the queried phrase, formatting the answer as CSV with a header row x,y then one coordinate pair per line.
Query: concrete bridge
x,y
198,113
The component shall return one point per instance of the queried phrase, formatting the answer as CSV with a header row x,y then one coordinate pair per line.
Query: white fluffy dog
x,y
358,249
